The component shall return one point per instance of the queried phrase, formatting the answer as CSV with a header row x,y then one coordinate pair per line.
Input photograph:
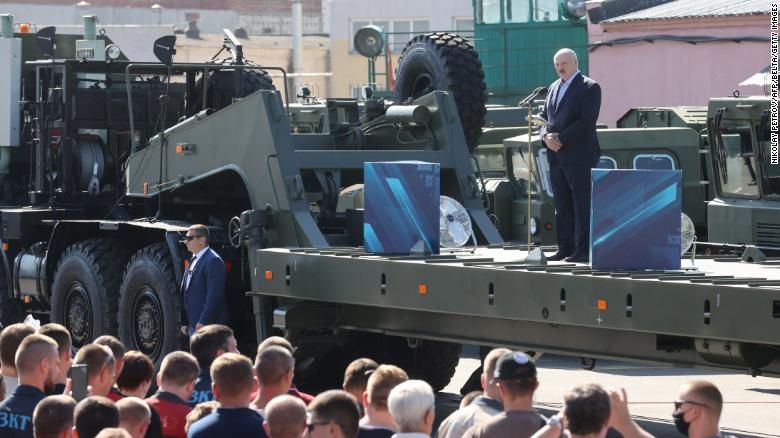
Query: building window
x,y
606,162
488,11
653,162
516,11
463,25
546,10
397,32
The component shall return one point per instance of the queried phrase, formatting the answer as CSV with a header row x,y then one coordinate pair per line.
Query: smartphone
x,y
78,381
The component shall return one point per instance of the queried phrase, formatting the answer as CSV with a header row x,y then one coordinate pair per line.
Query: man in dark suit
x,y
203,285
571,110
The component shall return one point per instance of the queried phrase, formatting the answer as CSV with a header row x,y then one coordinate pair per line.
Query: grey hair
x,y
409,402
569,52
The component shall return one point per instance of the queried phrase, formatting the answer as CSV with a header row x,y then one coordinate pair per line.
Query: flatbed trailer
x,y
721,312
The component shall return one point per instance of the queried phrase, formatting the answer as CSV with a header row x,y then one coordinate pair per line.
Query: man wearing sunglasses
x,y
697,410
203,284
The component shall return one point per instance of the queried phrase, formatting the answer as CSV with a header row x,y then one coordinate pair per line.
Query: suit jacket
x,y
204,300
574,119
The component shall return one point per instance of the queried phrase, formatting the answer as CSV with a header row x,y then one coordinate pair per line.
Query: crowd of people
x,y
214,391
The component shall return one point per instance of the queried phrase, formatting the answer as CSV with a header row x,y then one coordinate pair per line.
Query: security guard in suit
x,y
571,110
203,284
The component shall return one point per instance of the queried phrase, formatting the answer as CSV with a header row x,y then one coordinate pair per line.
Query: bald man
x,y
571,110
697,409
285,417
37,363
134,416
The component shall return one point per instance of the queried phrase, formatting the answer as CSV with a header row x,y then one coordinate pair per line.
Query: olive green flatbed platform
x,y
722,312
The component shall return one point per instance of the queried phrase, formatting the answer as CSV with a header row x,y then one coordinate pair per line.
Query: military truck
x,y
747,182
125,156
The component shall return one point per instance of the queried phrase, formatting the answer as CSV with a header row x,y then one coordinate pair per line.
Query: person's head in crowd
x,y
587,411
134,416
356,376
515,374
117,349
10,338
411,404
565,61
697,409
113,432
210,342
374,399
61,336
275,340
178,373
199,411
468,398
100,367
285,417
94,414
53,417
333,414
137,374
233,380
274,370
38,362
489,384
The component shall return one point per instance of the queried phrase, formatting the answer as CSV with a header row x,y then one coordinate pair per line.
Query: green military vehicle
x,y
133,159
746,175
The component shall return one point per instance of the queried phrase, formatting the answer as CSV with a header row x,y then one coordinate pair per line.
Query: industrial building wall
x,y
663,72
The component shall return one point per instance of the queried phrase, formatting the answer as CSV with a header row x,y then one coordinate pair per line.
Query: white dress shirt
x,y
191,267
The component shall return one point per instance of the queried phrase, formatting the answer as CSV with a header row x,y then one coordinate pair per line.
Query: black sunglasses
x,y
678,404
310,426
188,238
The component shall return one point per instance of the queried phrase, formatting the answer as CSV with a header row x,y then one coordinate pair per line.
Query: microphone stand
x,y
535,256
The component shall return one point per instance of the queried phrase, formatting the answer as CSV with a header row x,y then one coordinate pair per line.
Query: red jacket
x,y
173,413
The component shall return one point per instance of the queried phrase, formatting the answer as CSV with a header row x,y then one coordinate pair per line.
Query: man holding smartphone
x,y
203,284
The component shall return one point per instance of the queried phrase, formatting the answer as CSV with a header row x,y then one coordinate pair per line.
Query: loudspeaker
x,y
368,41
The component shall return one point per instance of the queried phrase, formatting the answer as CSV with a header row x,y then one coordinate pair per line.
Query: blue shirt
x,y
228,422
563,87
17,410
202,392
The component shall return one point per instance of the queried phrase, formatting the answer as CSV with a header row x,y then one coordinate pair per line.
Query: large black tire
x,y
149,303
84,293
432,361
220,91
445,61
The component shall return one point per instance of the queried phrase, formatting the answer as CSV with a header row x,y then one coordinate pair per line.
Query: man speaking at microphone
x,y
571,110
203,285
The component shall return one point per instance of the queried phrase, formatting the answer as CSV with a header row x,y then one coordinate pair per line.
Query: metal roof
x,y
696,9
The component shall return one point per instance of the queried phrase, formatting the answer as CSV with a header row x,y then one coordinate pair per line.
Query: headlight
x,y
113,52
533,226
573,8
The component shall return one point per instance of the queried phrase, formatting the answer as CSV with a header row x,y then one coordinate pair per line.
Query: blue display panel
x,y
401,211
635,219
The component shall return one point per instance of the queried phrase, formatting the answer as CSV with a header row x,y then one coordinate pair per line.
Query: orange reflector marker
x,y
24,28
548,226
179,149
5,247
146,188
269,275
422,289
602,304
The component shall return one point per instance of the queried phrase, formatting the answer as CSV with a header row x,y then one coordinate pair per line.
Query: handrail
x,y
188,67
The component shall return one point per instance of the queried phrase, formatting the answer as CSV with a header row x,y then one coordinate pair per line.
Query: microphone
x,y
538,92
